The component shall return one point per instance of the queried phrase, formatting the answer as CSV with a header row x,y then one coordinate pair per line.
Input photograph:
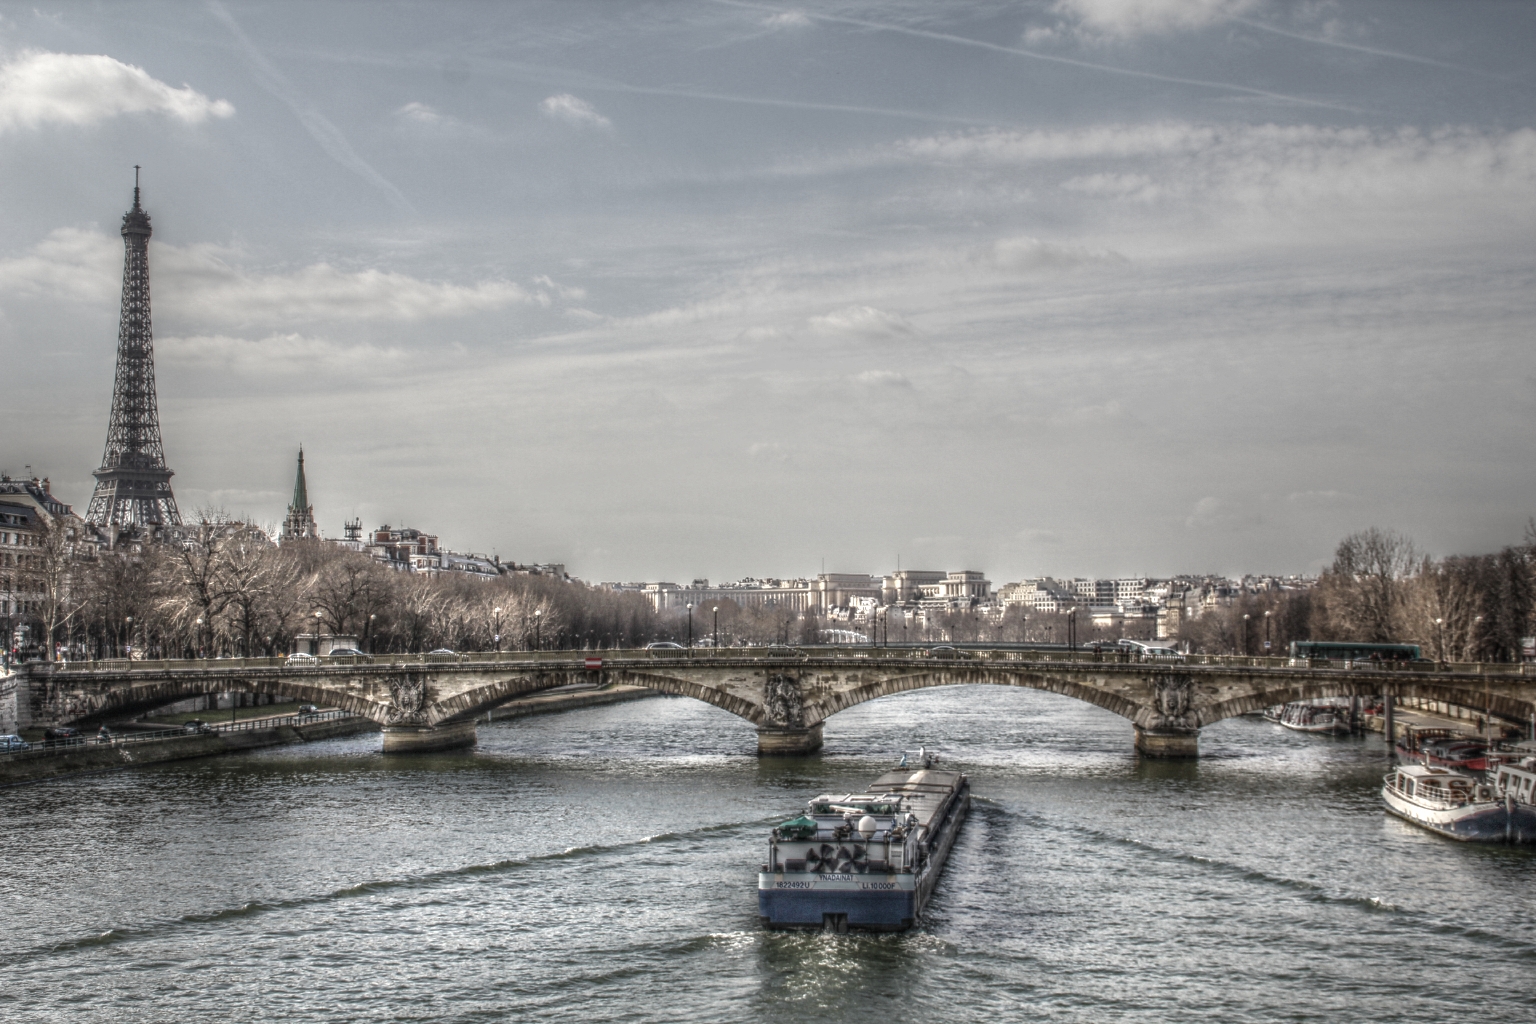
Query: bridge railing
x,y
567,659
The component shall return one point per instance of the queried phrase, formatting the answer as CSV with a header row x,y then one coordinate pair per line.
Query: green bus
x,y
1351,650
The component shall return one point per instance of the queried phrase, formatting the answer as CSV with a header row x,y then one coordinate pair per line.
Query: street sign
x,y
594,663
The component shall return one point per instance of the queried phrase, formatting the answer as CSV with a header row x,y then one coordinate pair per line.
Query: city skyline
x,y
1076,294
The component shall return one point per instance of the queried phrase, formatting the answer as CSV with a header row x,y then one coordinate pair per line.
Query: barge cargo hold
x,y
867,861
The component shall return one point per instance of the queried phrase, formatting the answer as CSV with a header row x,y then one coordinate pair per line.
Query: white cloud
x,y
885,379
769,451
200,283
549,285
422,118
281,355
420,113
38,88
862,321
204,286
1000,146
71,263
573,110
1304,175
787,19
1126,18
1026,253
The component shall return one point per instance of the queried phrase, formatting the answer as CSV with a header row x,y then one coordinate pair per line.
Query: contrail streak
x,y
319,127
1394,54
946,37
565,78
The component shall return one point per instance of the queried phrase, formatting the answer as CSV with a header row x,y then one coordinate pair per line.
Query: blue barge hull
x,y
871,911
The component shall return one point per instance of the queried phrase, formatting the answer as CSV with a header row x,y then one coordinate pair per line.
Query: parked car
x,y
12,742
300,658
346,652
307,709
664,645
63,735
444,650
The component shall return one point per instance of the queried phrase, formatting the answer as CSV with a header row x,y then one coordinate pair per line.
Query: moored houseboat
x,y
1455,805
866,861
1444,748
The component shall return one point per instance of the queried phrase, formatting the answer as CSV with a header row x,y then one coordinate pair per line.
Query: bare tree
x,y
347,589
197,579
49,569
255,577
1365,583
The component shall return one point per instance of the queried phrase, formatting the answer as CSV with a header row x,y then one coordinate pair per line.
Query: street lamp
x,y
1440,637
198,640
1245,634
538,614
497,612
369,629
717,629
128,647
690,625
1267,614
318,616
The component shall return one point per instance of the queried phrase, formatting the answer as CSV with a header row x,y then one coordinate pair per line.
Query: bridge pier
x,y
775,740
415,739
1167,743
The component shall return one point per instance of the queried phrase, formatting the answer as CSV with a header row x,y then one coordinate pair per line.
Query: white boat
x,y
1305,717
1453,804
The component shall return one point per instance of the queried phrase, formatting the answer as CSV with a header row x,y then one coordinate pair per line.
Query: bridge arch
x,y
469,705
140,697
1374,684
927,679
680,687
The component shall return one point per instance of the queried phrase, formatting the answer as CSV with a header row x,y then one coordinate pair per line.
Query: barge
x,y
864,861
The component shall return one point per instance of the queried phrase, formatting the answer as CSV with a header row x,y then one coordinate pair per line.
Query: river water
x,y
599,866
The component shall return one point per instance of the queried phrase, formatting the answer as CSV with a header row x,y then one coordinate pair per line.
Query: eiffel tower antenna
x,y
133,485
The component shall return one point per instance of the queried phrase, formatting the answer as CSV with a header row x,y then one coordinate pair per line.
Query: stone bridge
x,y
432,702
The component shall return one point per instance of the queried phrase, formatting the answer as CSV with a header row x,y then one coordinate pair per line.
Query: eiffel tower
x,y
133,485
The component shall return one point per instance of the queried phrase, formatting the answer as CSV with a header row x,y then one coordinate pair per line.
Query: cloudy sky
x,y
669,290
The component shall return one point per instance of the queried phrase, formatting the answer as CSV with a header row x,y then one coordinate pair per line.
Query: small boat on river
x,y
866,861
1305,717
1499,810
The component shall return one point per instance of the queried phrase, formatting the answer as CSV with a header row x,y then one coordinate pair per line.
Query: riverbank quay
x,y
135,749
569,698
1406,719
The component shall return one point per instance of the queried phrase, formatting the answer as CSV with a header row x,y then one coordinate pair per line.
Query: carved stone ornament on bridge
x,y
783,702
407,702
1172,699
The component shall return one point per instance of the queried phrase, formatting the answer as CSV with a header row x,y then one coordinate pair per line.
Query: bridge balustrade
x,y
769,654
